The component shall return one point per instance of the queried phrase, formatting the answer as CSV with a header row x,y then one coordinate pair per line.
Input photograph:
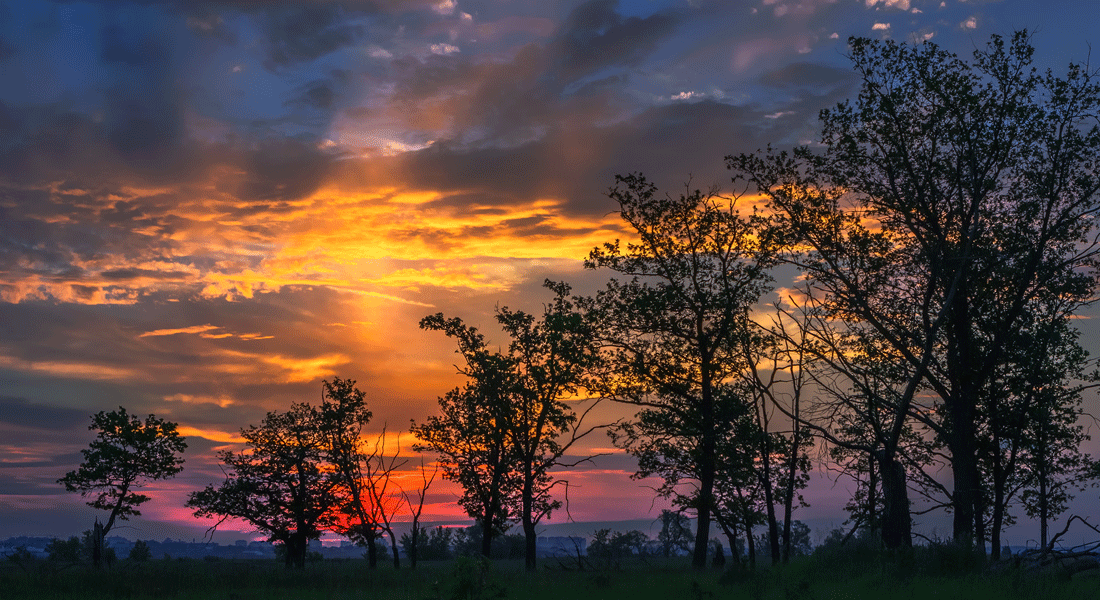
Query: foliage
x,y
675,535
950,200
675,332
127,453
475,579
609,548
363,472
280,485
800,539
431,544
67,551
501,434
140,552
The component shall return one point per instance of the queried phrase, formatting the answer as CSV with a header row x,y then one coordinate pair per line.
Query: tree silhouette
x,y
127,453
471,432
516,426
675,332
948,199
363,471
282,484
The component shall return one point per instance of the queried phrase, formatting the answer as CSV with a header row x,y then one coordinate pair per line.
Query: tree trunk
x,y
416,542
530,541
372,550
296,546
487,533
707,469
897,526
752,548
965,495
872,487
97,544
393,546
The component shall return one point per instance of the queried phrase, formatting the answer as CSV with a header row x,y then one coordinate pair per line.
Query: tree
x,y
674,332
417,534
128,452
675,535
545,362
363,472
140,552
948,199
282,484
471,433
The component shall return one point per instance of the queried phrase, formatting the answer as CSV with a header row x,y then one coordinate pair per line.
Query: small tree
x,y
675,536
140,552
127,453
417,534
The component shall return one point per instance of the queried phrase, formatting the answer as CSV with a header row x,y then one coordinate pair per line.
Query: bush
x,y
68,551
475,579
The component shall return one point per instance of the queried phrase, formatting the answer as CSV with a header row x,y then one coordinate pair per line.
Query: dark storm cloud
x,y
24,413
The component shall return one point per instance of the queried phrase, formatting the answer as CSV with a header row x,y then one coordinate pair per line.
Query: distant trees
x,y
675,535
127,453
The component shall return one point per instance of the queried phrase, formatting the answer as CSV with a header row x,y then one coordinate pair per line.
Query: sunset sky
x,y
207,207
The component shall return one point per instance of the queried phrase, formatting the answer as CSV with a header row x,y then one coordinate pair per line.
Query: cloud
x,y
193,329
22,412
301,33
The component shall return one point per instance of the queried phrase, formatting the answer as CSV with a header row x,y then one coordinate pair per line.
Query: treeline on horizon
x,y
943,230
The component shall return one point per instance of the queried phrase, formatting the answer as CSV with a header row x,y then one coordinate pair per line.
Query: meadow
x,y
937,572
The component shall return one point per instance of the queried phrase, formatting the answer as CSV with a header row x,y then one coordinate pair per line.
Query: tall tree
x,y
127,453
471,433
674,331
282,484
545,362
363,471
948,197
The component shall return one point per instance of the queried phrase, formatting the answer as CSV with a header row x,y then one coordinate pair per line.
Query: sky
x,y
207,207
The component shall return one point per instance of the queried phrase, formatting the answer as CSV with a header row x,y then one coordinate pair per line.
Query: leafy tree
x,y
127,453
282,484
675,535
363,472
675,332
949,198
611,547
545,363
471,433
433,544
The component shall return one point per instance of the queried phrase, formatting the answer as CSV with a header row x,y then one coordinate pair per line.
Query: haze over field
x,y
207,207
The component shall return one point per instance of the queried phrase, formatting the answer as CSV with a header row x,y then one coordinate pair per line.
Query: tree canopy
x,y
127,453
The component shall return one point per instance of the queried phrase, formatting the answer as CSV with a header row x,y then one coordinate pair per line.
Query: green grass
x,y
917,575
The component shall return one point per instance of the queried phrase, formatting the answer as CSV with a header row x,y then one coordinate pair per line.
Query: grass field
x,y
821,577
